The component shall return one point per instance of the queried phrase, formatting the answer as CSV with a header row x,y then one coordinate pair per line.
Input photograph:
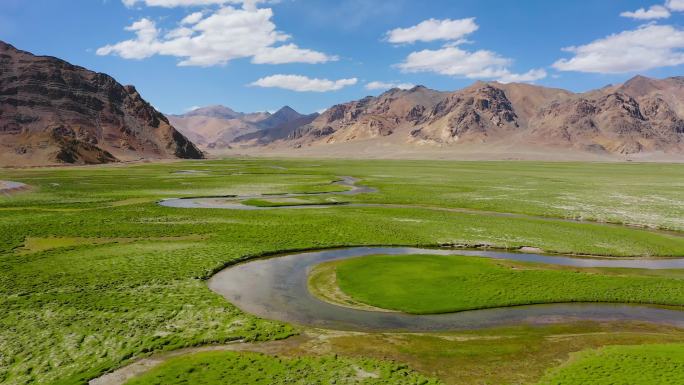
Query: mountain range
x,y
642,115
54,112
216,127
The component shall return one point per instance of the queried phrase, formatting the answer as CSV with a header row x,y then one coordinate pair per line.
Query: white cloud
x,y
654,12
675,5
388,85
224,35
290,53
433,29
454,61
192,18
529,76
246,4
649,46
142,47
302,83
451,59
177,3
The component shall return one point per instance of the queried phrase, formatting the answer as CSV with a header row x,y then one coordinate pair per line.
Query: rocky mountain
x,y
370,117
55,112
218,127
217,111
640,116
284,115
476,113
279,126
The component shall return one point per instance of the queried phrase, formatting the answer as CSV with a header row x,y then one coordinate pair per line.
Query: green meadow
x,y
622,365
255,369
429,284
95,274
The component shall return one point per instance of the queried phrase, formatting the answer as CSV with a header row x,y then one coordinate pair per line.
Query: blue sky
x,y
308,54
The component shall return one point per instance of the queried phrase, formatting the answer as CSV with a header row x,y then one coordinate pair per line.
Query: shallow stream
x,y
276,288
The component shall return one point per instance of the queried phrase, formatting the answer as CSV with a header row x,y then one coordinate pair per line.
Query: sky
x,y
259,55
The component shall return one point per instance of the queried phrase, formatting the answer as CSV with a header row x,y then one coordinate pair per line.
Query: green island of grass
x,y
429,284
219,368
622,365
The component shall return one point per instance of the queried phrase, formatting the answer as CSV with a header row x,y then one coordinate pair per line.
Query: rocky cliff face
x,y
472,114
55,112
616,120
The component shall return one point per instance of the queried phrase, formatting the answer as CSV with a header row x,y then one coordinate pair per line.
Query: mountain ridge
x,y
639,116
52,111
217,127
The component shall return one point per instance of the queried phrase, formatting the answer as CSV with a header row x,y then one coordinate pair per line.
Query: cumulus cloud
x,y
215,39
675,5
654,12
649,46
388,85
454,61
192,18
290,53
144,46
302,83
178,3
529,76
451,59
433,29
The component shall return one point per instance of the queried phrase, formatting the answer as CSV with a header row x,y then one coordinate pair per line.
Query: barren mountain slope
x,y
473,114
278,128
282,116
640,116
216,126
219,127
54,112
370,117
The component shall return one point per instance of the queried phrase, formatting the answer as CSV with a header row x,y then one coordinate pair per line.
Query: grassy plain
x,y
622,365
256,369
93,273
429,284
502,356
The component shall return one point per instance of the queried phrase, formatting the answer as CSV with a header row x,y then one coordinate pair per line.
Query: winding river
x,y
234,202
276,288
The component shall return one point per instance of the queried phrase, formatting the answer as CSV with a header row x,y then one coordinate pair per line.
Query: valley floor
x,y
95,274
396,149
